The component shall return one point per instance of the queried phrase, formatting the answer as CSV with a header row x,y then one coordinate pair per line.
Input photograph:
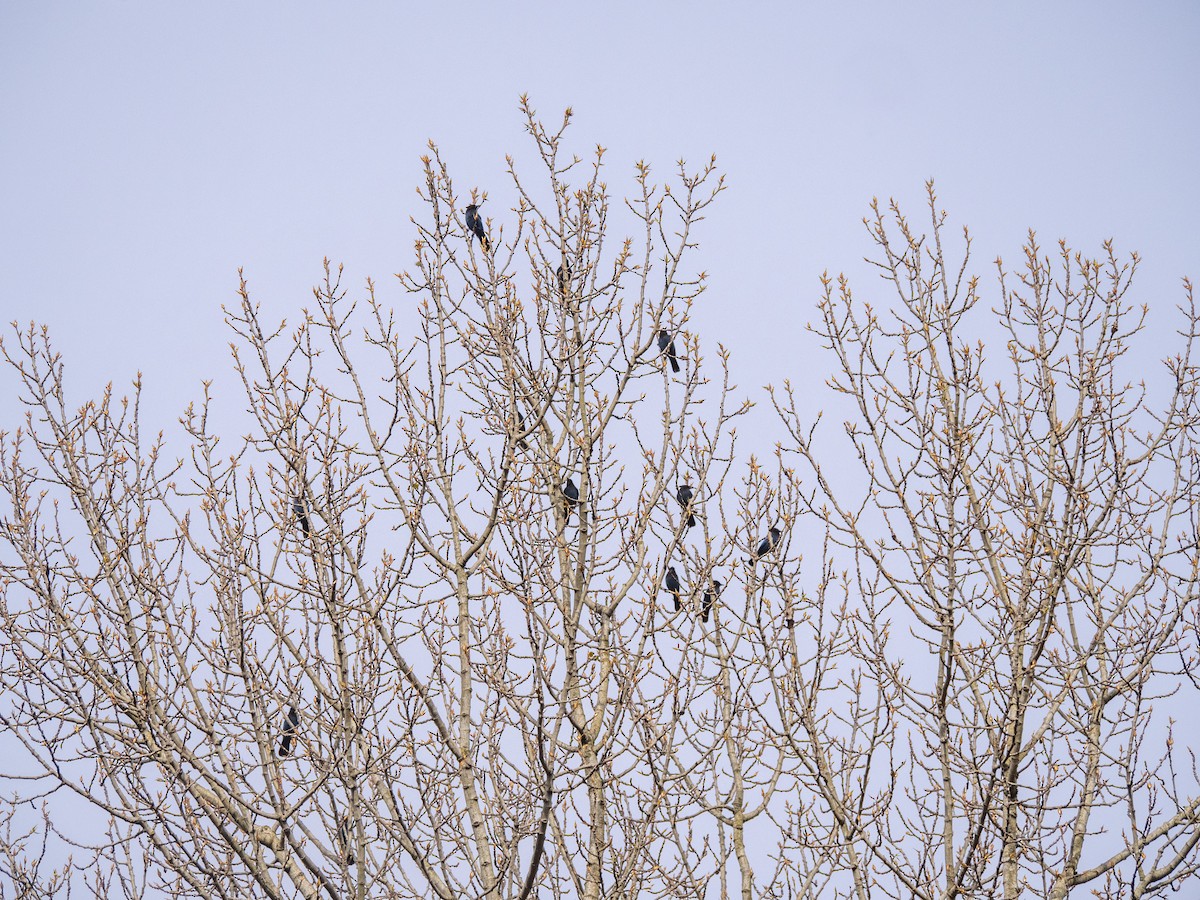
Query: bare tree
x,y
374,648
1016,628
410,636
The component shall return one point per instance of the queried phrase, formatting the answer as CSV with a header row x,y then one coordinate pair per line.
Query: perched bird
x,y
671,583
767,545
344,839
301,515
290,724
570,497
666,344
710,597
564,278
521,442
684,496
475,226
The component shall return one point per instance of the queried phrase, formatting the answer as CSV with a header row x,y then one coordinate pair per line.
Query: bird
x,y
570,496
344,839
710,597
564,278
301,515
291,723
767,544
521,442
666,344
684,496
475,226
671,583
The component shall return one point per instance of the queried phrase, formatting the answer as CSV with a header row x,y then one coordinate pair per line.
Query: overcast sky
x,y
148,150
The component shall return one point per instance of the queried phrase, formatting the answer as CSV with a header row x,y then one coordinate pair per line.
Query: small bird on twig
x,y
301,515
684,496
290,724
475,226
344,839
521,442
666,343
671,583
570,497
710,597
766,545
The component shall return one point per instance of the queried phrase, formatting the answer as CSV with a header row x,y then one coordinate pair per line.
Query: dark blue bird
x,y
570,497
671,583
344,839
291,723
767,545
521,442
666,344
475,226
301,515
684,496
710,597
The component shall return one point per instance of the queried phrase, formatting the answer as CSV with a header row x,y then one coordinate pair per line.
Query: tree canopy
x,y
437,624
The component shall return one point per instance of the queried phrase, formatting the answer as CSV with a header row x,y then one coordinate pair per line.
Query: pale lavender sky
x,y
147,150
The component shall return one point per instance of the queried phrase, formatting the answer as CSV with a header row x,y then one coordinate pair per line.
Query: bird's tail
x,y
674,364
691,520
487,245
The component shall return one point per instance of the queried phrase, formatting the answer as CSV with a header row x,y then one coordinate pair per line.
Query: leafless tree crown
x,y
437,625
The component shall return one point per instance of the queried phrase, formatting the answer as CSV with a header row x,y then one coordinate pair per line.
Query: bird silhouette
x,y
710,597
301,515
475,226
671,583
344,839
767,544
564,278
290,724
570,497
684,496
666,344
521,442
